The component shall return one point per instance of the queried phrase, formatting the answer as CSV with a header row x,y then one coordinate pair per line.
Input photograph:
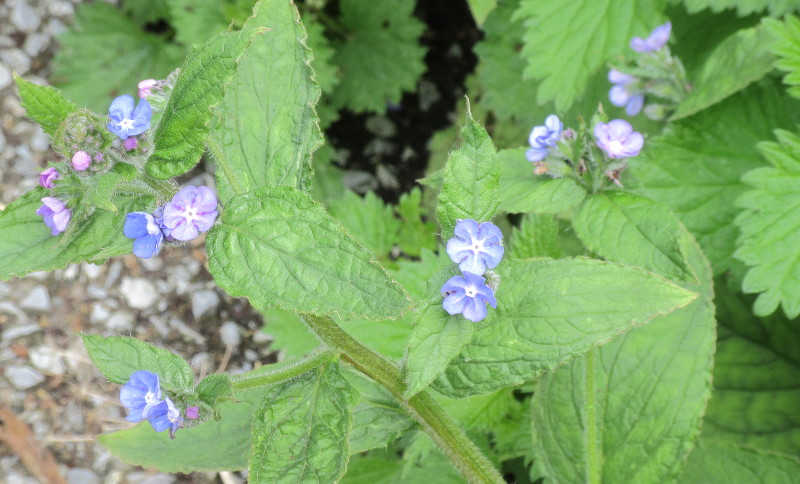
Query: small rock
x,y
250,355
70,273
186,331
17,59
47,360
96,292
5,289
381,126
23,377
92,271
82,475
55,27
5,76
147,478
19,331
60,9
230,334
14,478
152,264
40,140
121,322
138,292
99,314
114,272
24,17
204,302
261,338
37,300
201,360
35,44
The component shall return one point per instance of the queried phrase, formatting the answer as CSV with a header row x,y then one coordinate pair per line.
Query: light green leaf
x,y
787,48
554,311
523,191
301,429
630,410
733,464
290,335
179,138
471,184
326,73
215,389
743,7
368,220
44,104
118,357
481,9
627,228
536,236
738,61
378,419
416,233
695,166
381,56
279,248
266,128
585,33
196,20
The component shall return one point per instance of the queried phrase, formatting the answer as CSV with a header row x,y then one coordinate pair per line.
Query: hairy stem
x,y
259,377
447,434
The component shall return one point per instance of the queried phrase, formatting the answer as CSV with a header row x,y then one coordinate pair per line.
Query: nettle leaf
x,y
266,128
378,418
695,166
301,429
118,357
103,39
368,220
381,51
756,379
738,61
326,73
196,20
623,227
770,228
481,9
586,32
734,464
523,191
213,446
44,105
471,184
536,236
787,48
416,234
743,7
279,248
27,245
630,410
551,311
179,139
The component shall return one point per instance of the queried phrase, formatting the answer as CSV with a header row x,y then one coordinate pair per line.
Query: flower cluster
x,y
618,139
543,138
475,248
142,397
192,210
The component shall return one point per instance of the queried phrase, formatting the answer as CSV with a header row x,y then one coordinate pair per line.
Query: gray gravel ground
x,y
46,379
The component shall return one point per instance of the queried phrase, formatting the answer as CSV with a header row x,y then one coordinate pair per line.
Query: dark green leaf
x,y
44,104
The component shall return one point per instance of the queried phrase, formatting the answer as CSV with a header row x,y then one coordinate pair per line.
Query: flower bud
x,y
130,143
81,160
48,176
146,87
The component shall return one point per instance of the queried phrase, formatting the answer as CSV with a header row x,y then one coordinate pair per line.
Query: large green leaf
x,y
301,430
521,190
743,7
44,104
279,248
265,130
180,136
630,410
734,464
471,184
196,20
550,311
378,419
536,236
368,219
787,47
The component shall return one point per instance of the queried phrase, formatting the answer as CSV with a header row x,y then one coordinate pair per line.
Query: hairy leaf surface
x,y
734,464
44,104
522,191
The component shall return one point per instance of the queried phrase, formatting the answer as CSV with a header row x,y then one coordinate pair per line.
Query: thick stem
x,y
453,441
258,378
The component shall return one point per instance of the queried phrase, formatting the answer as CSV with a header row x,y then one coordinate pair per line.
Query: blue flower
x,y
165,416
468,295
146,232
658,38
476,247
127,121
140,395
618,139
624,92
542,138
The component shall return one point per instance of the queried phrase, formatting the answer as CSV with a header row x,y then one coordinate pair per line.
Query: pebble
x,y
250,355
37,300
60,8
204,302
121,322
91,271
230,334
46,359
138,292
5,76
113,273
261,338
24,17
187,331
7,307
381,126
100,313
96,292
147,478
35,44
82,475
23,377
5,289
19,331
17,60
152,264
201,360
14,478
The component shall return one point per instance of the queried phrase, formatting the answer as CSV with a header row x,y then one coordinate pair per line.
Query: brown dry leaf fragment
x,y
35,457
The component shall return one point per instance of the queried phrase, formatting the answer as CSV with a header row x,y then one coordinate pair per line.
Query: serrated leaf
x,y
630,410
279,248
118,357
44,104
536,236
471,184
627,228
326,73
588,33
378,419
368,220
416,233
743,7
301,429
196,20
787,48
266,128
381,51
738,61
551,311
104,40
734,464
27,245
695,166
215,389
480,9
522,191
180,136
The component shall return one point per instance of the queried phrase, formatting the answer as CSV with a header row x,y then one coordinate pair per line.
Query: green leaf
x,y
787,48
266,128
103,39
107,185
378,419
44,104
695,166
551,311
301,429
738,61
279,248
215,389
627,228
118,357
523,191
471,185
733,464
381,56
416,233
536,236
743,7
179,138
27,245
566,43
630,410
368,220
480,9
196,20
290,335
326,73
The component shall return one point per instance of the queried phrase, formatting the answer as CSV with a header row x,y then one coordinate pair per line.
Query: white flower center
x,y
149,398
615,146
471,291
152,227
126,124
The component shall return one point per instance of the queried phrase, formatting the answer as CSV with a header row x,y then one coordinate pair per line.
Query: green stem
x,y
258,378
441,427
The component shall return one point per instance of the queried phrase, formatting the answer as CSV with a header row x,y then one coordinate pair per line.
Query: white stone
x,y
152,264
60,9
24,17
99,314
37,300
230,334
138,292
23,377
81,475
121,322
35,44
5,76
204,302
92,271
46,359
17,60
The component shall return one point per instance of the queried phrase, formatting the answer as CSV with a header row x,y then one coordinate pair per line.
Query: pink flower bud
x,y
98,157
81,160
130,143
48,176
192,412
145,87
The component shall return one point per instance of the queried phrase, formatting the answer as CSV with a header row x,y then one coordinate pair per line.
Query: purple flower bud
x,y
658,38
624,93
191,211
48,176
130,143
145,87
192,412
468,295
618,139
140,395
146,232
98,157
55,213
542,138
476,247
165,416
81,160
127,121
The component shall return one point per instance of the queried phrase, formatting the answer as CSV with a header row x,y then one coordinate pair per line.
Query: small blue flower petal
x,y
136,225
140,394
476,247
125,121
147,246
468,295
